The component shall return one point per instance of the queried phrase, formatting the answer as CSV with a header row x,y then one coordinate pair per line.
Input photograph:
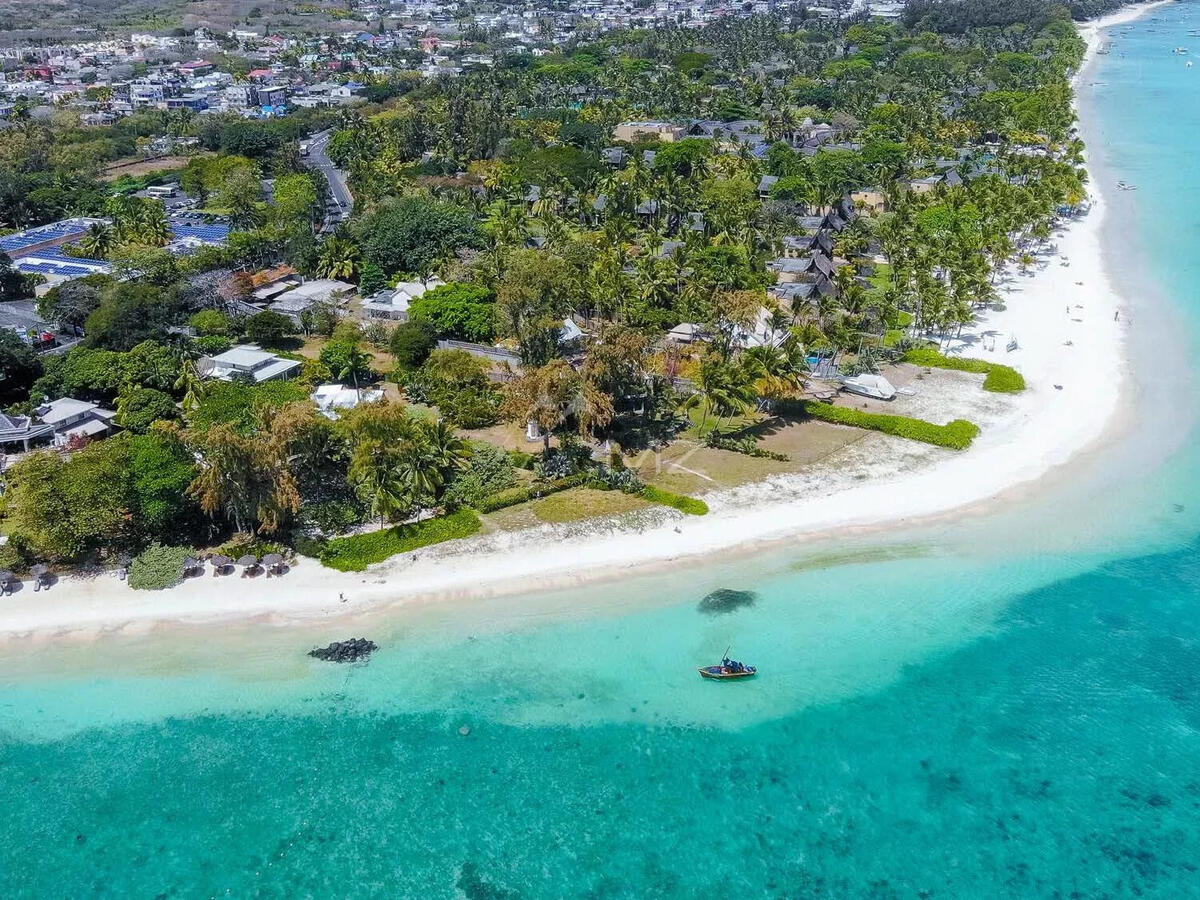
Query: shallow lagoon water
x,y
1007,707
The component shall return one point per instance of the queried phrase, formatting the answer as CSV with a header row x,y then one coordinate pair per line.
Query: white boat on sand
x,y
875,386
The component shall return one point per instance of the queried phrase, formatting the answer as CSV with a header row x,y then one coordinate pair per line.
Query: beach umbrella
x,y
219,562
39,570
6,577
189,563
248,560
272,559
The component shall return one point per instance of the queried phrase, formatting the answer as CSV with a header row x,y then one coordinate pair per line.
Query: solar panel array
x,y
22,239
56,253
49,268
214,234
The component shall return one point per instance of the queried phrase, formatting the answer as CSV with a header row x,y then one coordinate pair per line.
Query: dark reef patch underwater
x,y
726,600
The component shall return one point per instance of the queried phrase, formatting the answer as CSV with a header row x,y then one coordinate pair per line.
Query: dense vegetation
x,y
909,162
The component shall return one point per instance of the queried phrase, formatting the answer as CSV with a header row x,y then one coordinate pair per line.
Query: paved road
x,y
318,159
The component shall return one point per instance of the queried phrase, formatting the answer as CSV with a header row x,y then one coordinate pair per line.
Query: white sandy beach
x,y
1063,317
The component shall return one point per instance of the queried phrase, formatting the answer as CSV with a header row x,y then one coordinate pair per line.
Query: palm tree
x,y
150,225
724,388
446,448
192,387
352,360
98,240
338,258
377,474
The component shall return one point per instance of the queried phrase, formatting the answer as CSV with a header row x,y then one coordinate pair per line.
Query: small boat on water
x,y
729,668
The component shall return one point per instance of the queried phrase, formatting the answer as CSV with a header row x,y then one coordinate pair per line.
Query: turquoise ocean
x,y
1008,706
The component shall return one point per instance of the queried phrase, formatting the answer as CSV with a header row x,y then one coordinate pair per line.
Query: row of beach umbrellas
x,y
249,563
39,573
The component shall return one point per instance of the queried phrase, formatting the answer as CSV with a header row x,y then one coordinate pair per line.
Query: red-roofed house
x,y
196,67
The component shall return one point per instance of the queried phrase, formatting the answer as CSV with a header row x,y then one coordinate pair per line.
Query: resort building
x,y
666,132
247,362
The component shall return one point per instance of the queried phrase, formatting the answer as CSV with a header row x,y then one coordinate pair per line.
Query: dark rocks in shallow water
x,y
345,651
726,600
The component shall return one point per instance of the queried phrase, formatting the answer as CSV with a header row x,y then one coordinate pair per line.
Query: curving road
x,y
318,160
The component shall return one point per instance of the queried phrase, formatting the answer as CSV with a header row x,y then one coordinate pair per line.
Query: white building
x,y
75,419
320,290
393,304
333,398
247,362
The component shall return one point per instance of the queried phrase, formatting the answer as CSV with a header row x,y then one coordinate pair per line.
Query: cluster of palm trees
x,y
260,477
137,221
947,246
400,464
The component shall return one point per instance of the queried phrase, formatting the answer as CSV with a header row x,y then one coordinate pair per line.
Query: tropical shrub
x,y
333,516
307,545
1000,379
213,344
618,479
411,344
464,312
488,472
157,567
11,558
523,460
745,446
355,553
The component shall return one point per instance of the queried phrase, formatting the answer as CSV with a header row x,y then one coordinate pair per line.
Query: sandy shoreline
x,y
1070,334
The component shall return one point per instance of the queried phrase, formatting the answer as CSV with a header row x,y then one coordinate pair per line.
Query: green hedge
x,y
956,435
1000,379
689,505
353,554
157,567
525,493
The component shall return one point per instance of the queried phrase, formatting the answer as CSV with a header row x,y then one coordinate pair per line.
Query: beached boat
x,y
874,386
729,668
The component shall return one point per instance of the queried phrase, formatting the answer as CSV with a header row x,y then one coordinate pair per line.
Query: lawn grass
x,y
1000,379
355,553
584,503
696,415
